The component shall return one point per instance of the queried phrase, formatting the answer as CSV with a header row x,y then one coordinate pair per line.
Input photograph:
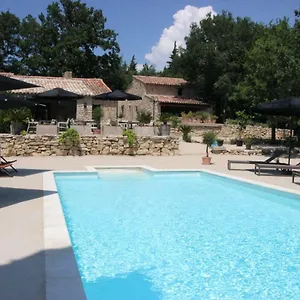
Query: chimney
x,y
67,74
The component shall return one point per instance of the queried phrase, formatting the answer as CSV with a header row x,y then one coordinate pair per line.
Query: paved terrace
x,y
22,264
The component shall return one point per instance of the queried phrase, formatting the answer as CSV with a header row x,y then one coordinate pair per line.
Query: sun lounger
x,y
258,167
4,166
276,154
4,161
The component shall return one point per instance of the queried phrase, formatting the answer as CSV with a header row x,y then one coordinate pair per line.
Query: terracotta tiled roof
x,y
161,80
177,100
80,86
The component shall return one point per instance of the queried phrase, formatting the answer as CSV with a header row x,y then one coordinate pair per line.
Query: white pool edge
x,y
61,272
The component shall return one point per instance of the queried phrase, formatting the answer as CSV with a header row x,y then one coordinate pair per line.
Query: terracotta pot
x,y
96,131
206,160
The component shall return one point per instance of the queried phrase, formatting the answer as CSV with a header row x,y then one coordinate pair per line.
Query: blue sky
x,y
140,23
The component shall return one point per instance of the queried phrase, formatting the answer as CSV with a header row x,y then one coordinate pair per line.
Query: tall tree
x,y
148,70
272,66
173,68
132,66
9,39
214,56
69,36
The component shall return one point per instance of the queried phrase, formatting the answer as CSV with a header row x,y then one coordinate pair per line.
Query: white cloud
x,y
183,19
139,67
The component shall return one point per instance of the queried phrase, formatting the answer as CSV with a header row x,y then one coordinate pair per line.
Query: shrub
x,y
209,138
175,121
23,132
186,130
144,117
164,117
204,115
131,137
70,136
97,113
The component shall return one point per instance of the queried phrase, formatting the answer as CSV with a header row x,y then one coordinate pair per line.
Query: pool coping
x,y
62,276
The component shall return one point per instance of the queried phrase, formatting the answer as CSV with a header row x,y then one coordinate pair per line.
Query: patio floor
x,y
22,264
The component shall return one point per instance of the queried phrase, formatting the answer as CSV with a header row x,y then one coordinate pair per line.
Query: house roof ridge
x,y
160,80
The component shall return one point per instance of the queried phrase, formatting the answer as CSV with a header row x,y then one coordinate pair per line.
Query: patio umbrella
x,y
12,101
288,107
58,93
117,95
7,83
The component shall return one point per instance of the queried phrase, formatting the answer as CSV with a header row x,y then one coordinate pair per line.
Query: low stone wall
x,y
48,145
228,132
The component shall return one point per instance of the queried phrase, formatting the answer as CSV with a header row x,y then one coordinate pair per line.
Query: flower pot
x,y
239,143
165,129
220,143
15,127
206,160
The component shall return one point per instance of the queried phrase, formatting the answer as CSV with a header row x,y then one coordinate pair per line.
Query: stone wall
x,y
33,145
228,132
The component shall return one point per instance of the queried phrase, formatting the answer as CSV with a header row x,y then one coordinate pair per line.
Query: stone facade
x,y
84,109
33,145
228,132
147,103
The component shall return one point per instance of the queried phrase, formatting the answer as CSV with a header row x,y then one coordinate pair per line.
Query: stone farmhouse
x,y
159,95
62,109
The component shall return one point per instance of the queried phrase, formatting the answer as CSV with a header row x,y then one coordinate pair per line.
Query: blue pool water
x,y
181,236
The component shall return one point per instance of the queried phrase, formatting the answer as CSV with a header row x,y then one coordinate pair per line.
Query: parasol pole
x,y
290,139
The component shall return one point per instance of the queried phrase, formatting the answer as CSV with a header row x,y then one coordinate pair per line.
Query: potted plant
x,y
175,121
186,130
165,128
97,116
131,139
17,118
213,119
242,122
248,142
143,117
205,116
220,142
70,139
208,138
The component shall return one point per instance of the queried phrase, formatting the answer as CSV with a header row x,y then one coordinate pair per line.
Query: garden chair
x,y
276,154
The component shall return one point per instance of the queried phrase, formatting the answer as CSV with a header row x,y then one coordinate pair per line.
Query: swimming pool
x,y
181,235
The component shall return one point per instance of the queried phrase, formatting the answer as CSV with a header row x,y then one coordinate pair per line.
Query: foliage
x,y
248,141
242,121
23,132
148,70
164,117
18,115
209,138
175,121
144,117
186,130
97,113
214,56
131,137
70,136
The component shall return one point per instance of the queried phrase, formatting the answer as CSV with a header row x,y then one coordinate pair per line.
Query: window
x,y
179,92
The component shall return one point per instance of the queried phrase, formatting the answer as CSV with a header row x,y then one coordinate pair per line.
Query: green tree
x,y
9,40
132,66
173,68
214,56
69,37
148,70
272,66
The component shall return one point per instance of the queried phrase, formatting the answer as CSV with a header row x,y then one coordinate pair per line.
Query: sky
x,y
148,29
